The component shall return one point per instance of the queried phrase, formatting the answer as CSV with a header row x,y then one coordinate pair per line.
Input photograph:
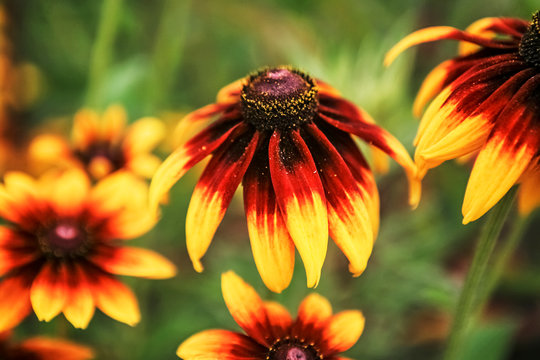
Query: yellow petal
x,y
343,331
49,291
113,123
69,192
138,262
143,135
496,169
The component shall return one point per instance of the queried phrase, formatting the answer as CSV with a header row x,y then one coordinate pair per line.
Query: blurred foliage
x,y
171,56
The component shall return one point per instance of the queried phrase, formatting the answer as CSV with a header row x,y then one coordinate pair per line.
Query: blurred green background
x,y
164,57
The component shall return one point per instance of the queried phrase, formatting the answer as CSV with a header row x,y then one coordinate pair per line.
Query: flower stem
x,y
501,258
476,275
101,50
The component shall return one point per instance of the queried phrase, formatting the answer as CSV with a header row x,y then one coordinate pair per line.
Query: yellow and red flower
x,y
271,333
103,145
42,348
486,100
62,248
287,138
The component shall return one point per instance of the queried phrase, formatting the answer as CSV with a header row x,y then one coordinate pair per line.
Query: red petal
x,y
14,301
313,314
435,33
301,199
215,190
80,306
348,218
186,156
272,246
222,345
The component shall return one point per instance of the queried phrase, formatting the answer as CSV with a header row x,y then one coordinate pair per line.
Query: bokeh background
x,y
168,57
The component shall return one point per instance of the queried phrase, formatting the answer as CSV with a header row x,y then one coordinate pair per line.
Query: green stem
x,y
169,43
101,50
475,276
501,258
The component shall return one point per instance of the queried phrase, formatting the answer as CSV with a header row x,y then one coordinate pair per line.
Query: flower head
x,y
271,333
486,100
42,348
287,138
62,248
103,145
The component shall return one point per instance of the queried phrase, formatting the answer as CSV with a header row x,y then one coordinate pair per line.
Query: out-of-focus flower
x,y
63,247
287,138
102,145
271,333
42,348
486,100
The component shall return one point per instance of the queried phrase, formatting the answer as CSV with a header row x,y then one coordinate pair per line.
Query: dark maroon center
x,y
65,238
103,150
293,349
279,98
529,46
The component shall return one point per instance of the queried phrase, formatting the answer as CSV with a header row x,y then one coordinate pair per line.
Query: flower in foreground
x,y
62,248
103,145
287,138
42,348
486,100
271,333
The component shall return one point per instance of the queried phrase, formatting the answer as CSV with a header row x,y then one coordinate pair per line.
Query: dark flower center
x,y
103,154
293,349
529,47
65,239
279,98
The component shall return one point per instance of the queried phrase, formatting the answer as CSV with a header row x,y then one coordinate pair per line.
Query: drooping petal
x,y
462,129
14,301
246,307
348,218
380,138
187,155
342,331
80,305
56,349
114,298
49,290
215,190
313,314
143,135
133,261
508,152
300,196
490,27
220,344
271,244
529,191
435,33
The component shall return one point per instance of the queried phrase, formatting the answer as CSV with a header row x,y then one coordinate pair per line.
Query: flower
x,y
486,100
271,333
42,348
287,138
62,248
103,145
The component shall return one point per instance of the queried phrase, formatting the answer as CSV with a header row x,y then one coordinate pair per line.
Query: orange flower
x,y
486,101
104,145
63,247
271,333
287,138
42,348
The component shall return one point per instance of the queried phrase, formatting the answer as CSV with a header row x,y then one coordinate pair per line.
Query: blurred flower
x,y
103,145
486,101
42,348
271,333
63,247
287,138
